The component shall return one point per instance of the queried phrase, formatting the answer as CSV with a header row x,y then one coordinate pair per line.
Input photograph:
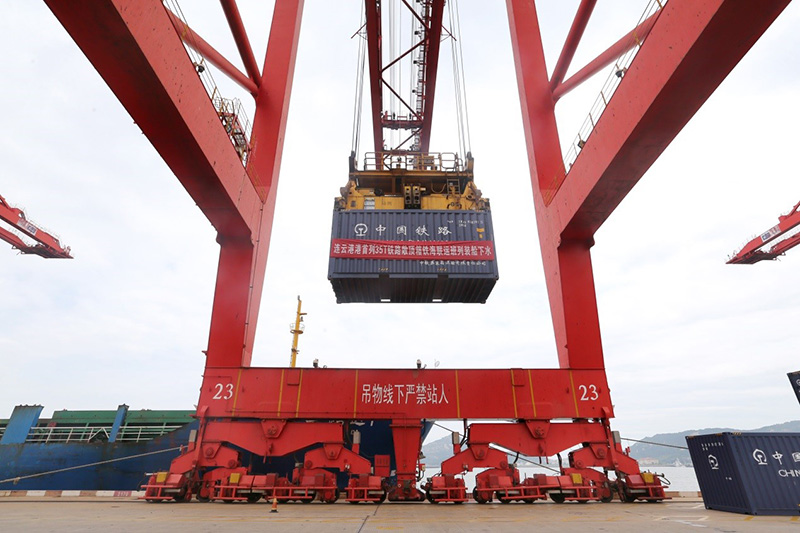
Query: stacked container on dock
x,y
752,473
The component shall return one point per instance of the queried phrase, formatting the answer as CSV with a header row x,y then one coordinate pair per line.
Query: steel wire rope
x,y
462,115
15,480
657,444
359,99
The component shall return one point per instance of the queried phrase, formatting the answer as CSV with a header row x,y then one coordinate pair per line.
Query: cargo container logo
x,y
361,229
760,457
796,457
712,462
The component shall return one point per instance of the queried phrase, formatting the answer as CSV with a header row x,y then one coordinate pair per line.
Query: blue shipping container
x,y
752,473
412,256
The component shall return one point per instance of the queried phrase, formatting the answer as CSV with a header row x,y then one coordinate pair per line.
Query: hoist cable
x,y
462,117
360,68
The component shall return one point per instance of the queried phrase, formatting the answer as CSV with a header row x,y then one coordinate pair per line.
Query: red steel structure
x,y
752,251
46,245
419,117
691,46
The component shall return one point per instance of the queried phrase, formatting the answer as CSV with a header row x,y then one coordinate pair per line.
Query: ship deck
x,y
35,514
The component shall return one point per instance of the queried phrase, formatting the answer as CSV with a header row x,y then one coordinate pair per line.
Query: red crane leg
x,y
269,126
567,265
242,42
407,445
226,344
571,44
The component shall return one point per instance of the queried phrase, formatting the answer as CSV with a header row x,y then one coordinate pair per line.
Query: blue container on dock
x,y
752,473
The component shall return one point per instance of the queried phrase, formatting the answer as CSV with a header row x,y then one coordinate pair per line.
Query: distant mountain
x,y
647,454
653,454
437,451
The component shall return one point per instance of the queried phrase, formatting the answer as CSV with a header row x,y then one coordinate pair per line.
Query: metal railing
x,y
63,434
236,123
435,161
618,71
222,105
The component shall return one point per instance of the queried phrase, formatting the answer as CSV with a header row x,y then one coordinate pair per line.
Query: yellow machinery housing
x,y
412,180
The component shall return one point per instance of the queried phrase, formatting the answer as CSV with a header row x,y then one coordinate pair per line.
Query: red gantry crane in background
x,y
249,417
46,245
782,232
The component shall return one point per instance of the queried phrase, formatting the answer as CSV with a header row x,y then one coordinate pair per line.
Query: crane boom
x,y
752,251
46,245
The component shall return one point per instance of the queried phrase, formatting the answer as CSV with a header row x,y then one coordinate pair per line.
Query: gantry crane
x,y
753,251
685,50
46,245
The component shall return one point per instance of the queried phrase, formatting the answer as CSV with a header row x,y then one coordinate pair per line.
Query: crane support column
x,y
568,268
235,348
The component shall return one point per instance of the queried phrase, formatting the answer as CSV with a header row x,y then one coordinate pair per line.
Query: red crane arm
x,y
242,41
199,45
752,253
135,48
691,48
47,245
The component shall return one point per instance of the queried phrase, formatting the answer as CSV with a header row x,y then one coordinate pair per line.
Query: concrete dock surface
x,y
32,515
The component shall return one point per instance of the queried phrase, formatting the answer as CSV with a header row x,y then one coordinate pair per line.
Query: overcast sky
x,y
689,341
